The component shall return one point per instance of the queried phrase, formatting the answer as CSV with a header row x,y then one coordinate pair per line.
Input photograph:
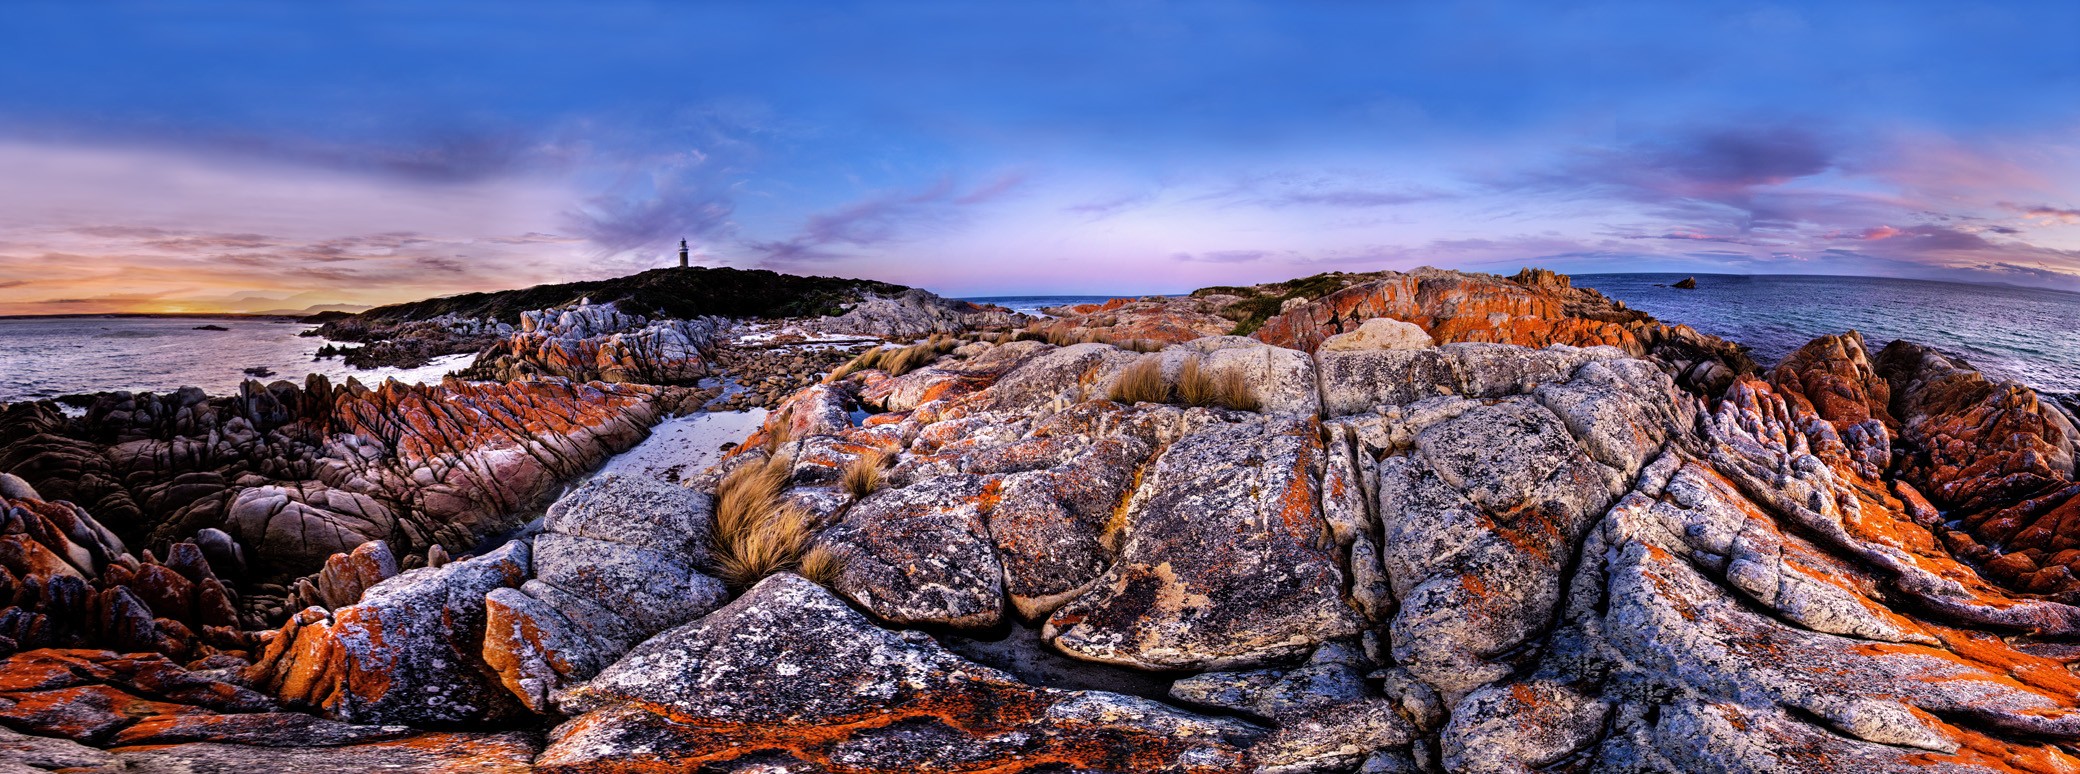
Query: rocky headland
x,y
1391,522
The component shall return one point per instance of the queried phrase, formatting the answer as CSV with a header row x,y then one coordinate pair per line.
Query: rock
x,y
788,673
1194,586
915,314
1534,308
1686,283
1354,381
407,653
586,342
1155,321
1379,333
922,554
618,561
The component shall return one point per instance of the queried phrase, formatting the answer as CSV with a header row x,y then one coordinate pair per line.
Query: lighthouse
x,y
682,253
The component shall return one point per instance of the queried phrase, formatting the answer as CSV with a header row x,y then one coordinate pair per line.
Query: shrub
x,y
1141,382
757,533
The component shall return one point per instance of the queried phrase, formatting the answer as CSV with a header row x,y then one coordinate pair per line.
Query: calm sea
x,y
2025,334
2032,336
45,357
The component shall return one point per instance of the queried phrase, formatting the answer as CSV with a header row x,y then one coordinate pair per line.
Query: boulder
x,y
789,676
1221,561
1380,333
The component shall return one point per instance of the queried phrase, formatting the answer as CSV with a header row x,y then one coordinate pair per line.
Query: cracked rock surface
x,y
1563,539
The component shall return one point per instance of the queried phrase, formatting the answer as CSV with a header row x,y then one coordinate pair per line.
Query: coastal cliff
x,y
1392,522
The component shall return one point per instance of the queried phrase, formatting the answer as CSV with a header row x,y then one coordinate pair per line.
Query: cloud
x,y
1102,208
1720,176
884,219
1223,256
688,196
1325,190
2046,215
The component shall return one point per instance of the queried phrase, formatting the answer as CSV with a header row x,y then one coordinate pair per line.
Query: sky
x,y
246,157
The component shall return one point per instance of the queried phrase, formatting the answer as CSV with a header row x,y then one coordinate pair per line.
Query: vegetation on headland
x,y
1262,302
676,293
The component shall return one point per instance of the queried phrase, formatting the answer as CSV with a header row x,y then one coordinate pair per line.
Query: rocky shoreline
x,y
1391,522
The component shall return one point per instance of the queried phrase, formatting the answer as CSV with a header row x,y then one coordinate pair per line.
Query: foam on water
x,y
52,356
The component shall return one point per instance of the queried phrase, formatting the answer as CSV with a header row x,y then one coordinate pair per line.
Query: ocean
x,y
46,357
2025,334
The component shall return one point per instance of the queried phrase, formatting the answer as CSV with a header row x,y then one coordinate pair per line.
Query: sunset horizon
x,y
247,158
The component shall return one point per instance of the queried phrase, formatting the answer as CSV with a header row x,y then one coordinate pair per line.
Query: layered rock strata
x,y
284,476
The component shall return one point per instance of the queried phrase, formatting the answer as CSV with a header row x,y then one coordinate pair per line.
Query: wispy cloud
x,y
883,219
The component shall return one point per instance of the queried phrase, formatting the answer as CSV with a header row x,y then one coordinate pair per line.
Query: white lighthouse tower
x,y
682,253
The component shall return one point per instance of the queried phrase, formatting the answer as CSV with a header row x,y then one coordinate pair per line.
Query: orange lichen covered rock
x,y
409,652
1153,321
787,675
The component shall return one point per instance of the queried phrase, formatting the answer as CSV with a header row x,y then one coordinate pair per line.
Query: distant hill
x,y
674,292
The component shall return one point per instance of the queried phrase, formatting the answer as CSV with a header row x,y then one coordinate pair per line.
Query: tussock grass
x,y
898,360
1230,388
1062,338
822,564
864,361
756,532
779,433
863,475
1141,382
1143,346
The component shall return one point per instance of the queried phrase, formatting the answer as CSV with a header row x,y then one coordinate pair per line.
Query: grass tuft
x,y
1141,382
1200,386
863,474
756,532
822,564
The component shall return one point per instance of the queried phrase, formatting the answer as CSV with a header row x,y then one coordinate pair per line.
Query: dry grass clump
x,y
1230,388
864,361
898,360
1143,346
779,433
822,564
863,475
1065,338
756,532
1141,382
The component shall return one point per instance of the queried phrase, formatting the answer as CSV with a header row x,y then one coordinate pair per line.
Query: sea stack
x,y
1686,283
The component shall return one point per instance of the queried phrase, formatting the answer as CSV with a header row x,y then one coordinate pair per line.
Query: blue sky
x,y
235,156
